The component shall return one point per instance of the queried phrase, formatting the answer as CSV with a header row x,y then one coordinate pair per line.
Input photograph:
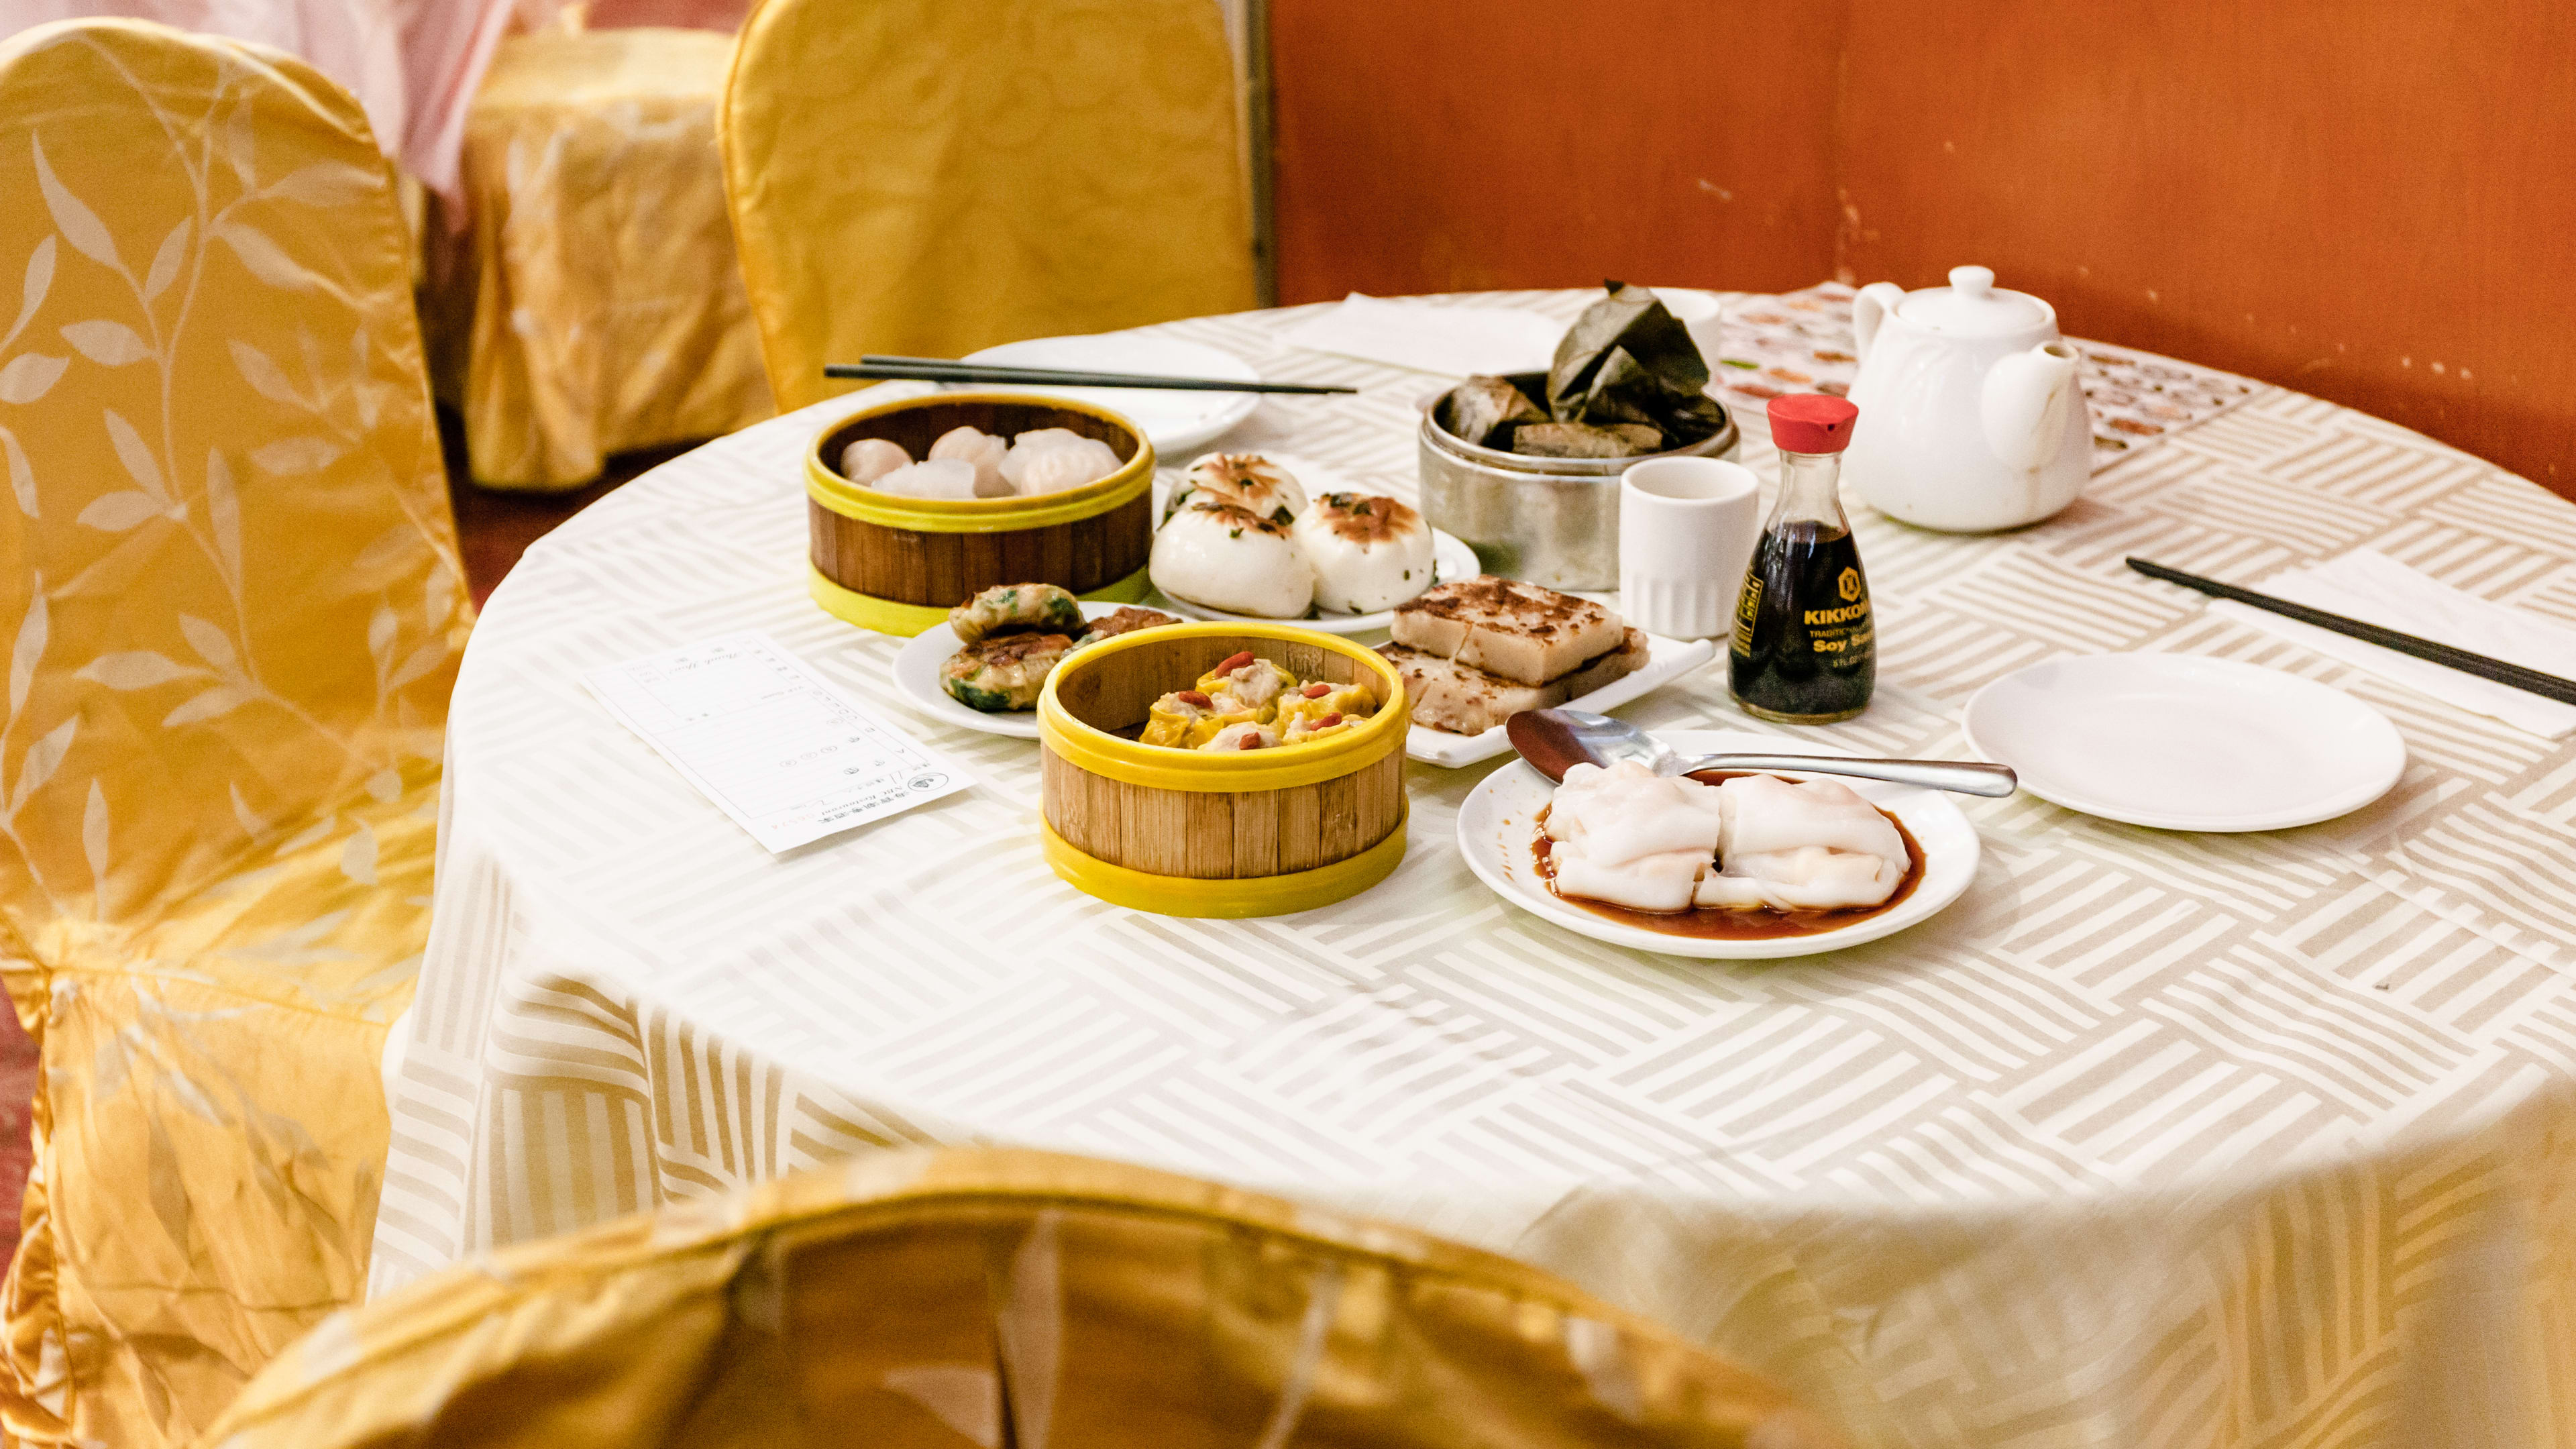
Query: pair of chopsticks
x,y
882,366
2548,686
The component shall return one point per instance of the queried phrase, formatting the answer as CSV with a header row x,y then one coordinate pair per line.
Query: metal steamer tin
x,y
1551,521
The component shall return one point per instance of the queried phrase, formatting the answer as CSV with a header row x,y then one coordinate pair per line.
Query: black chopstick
x,y
2549,686
940,369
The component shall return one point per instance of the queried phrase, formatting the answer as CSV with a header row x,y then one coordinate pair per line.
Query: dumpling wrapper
x,y
1629,837
1368,552
869,459
1221,557
951,478
1248,735
973,445
1053,460
1815,845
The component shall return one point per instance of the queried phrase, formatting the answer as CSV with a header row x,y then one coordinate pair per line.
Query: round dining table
x,y
2151,1138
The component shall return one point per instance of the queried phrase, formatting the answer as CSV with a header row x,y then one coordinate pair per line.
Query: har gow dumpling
x,y
1052,460
951,478
869,459
1368,552
1222,557
973,445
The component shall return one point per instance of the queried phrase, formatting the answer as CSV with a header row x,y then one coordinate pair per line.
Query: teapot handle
x,y
1869,309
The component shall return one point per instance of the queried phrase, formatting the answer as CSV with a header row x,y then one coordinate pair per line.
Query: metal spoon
x,y
1554,739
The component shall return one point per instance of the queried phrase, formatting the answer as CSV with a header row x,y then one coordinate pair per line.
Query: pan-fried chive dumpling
x,y
1016,608
1368,552
1003,673
1222,557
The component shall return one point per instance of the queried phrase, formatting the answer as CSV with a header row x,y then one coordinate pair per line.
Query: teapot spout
x,y
2026,399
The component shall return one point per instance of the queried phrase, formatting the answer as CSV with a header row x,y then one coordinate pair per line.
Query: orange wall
x,y
2369,200
1440,145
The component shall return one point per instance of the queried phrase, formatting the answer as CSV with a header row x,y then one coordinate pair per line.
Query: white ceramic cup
x,y
1687,527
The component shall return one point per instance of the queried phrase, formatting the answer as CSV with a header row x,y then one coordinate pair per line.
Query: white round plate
x,y
2182,742
916,675
1177,422
1499,821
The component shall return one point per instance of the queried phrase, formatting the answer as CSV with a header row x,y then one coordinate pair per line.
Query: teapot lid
x,y
1972,306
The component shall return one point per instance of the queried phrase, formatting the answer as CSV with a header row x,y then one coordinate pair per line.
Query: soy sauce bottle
x,y
1806,644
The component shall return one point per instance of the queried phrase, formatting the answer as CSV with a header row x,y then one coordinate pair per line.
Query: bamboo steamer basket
x,y
897,565
1187,833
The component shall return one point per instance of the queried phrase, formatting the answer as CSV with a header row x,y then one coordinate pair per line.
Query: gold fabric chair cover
x,y
926,1299
593,304
935,176
231,604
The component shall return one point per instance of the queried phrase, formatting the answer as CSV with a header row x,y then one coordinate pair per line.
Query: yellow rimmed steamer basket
x,y
1208,833
897,565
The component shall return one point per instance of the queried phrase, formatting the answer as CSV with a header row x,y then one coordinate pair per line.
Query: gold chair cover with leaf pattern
x,y
593,305
927,1299
936,176
232,608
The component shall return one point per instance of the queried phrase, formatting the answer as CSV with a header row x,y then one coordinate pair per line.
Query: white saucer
x,y
1666,661
916,676
1499,822
2182,742
1177,422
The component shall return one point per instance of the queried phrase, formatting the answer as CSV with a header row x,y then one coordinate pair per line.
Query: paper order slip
x,y
773,744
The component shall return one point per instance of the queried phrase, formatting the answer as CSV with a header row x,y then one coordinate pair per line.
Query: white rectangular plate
x,y
1666,661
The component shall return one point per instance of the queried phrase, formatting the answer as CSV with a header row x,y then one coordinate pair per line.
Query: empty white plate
x,y
1499,823
2182,742
1177,422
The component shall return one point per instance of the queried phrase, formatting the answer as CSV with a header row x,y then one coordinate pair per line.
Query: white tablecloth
x,y
2151,1139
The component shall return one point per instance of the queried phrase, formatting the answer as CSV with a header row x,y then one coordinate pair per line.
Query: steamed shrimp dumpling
x,y
950,478
1052,460
869,459
982,449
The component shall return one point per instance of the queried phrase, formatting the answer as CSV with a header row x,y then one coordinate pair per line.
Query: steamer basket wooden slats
x,y
899,564
1194,833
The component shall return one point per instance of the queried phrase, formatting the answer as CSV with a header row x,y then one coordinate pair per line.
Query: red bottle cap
x,y
1811,422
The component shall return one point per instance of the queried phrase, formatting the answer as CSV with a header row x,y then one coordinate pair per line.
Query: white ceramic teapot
x,y
1970,415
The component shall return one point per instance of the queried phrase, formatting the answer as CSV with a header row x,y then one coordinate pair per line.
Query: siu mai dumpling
x,y
1816,846
1630,837
1221,557
1368,552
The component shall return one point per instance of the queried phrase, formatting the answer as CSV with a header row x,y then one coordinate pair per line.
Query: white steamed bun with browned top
x,y
1368,552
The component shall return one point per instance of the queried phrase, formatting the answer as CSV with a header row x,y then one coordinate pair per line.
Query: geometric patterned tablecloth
x,y
2151,1139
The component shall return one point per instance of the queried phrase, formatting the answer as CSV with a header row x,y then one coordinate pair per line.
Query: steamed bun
x,y
1223,557
1368,552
